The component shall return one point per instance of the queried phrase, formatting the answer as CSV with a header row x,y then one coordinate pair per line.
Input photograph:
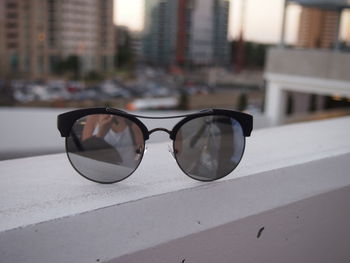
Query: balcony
x,y
310,71
288,201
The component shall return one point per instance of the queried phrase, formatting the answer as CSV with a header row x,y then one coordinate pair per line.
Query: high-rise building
x,y
317,28
37,34
347,27
22,37
159,42
186,32
2,39
221,50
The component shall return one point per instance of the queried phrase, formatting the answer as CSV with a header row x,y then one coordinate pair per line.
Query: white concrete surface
x,y
275,103
286,202
33,131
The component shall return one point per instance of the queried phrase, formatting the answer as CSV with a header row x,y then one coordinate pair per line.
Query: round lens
x,y
210,147
105,148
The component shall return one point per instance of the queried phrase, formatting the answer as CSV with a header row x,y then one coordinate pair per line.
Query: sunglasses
x,y
106,145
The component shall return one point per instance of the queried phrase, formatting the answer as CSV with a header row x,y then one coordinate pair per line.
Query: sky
x,y
262,20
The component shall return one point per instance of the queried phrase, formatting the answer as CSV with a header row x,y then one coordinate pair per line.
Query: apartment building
x,y
317,28
186,32
347,27
22,37
2,38
37,34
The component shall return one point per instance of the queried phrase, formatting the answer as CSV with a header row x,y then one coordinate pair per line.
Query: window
x,y
12,35
11,45
14,62
11,15
11,5
11,25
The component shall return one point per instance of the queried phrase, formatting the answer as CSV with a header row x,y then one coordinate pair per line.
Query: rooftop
x,y
324,3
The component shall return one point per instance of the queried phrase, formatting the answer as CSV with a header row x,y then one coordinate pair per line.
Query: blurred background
x,y
282,61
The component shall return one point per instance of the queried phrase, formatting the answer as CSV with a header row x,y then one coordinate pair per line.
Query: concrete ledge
x,y
287,202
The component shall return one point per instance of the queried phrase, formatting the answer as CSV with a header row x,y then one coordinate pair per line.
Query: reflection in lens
x,y
105,148
210,147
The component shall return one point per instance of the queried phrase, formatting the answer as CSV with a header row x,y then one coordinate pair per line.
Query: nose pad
x,y
170,149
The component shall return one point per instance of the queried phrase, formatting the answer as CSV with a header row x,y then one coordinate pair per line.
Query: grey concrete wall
x,y
324,64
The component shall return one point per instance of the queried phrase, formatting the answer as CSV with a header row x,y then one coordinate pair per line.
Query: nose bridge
x,y
158,129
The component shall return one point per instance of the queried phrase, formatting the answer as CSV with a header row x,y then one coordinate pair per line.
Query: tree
x,y
183,101
242,101
69,65
93,76
254,54
124,56
72,64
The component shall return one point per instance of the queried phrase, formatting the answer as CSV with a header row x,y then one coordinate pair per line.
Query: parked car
x,y
113,90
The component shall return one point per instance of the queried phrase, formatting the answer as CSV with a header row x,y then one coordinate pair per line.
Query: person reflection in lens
x,y
118,132
197,148
210,147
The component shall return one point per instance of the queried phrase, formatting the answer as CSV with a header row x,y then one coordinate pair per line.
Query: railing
x,y
288,201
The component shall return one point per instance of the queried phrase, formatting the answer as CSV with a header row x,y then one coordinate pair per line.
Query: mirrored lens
x,y
210,147
105,148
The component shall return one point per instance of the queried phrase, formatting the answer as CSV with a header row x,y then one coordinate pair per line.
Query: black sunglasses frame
x,y
65,122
